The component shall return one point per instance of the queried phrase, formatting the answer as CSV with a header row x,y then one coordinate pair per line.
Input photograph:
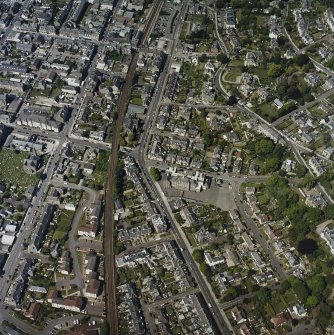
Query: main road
x,y
219,317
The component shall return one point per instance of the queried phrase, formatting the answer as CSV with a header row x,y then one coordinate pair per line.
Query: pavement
x,y
322,226
220,197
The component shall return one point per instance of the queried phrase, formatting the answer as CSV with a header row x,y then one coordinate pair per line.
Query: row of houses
x,y
302,27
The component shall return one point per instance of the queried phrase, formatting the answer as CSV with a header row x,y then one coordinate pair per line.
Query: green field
x,y
11,169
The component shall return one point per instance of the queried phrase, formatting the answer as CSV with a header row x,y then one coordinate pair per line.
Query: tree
x,y
263,296
329,212
281,89
317,285
312,301
275,70
308,97
223,58
232,100
285,285
231,293
208,138
293,93
314,215
264,147
203,58
272,164
220,4
131,137
205,269
155,173
300,289
178,218
308,181
302,59
300,170
198,256
40,175
330,63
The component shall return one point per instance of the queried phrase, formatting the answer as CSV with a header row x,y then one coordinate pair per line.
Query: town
x,y
166,167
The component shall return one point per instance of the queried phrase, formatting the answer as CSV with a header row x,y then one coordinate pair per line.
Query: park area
x,y
11,169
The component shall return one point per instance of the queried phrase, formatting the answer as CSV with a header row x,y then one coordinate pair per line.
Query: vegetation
x,y
155,173
64,220
307,246
118,182
99,177
268,154
223,58
11,169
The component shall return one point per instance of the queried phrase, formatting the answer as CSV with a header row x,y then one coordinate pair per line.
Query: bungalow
x,y
279,319
33,311
89,230
238,315
74,304
93,288
278,103
248,241
213,260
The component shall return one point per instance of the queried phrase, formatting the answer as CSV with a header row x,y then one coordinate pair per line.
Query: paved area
x,y
221,197
322,226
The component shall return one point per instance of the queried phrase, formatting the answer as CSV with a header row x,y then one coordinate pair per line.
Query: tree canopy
x,y
302,59
155,173
275,70
222,58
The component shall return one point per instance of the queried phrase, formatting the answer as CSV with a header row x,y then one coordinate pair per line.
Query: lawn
x,y
236,63
137,101
262,73
98,178
232,76
290,297
11,167
64,221
268,111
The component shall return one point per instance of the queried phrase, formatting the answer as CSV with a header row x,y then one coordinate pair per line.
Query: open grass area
x,y
64,221
137,101
236,63
11,169
268,111
232,76
262,73
98,178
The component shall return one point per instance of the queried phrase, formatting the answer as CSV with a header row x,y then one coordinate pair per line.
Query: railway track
x,y
113,159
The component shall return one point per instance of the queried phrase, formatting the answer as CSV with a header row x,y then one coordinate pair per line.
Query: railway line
x,y
113,159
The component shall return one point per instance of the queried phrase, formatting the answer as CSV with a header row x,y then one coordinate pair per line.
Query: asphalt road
x,y
220,320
